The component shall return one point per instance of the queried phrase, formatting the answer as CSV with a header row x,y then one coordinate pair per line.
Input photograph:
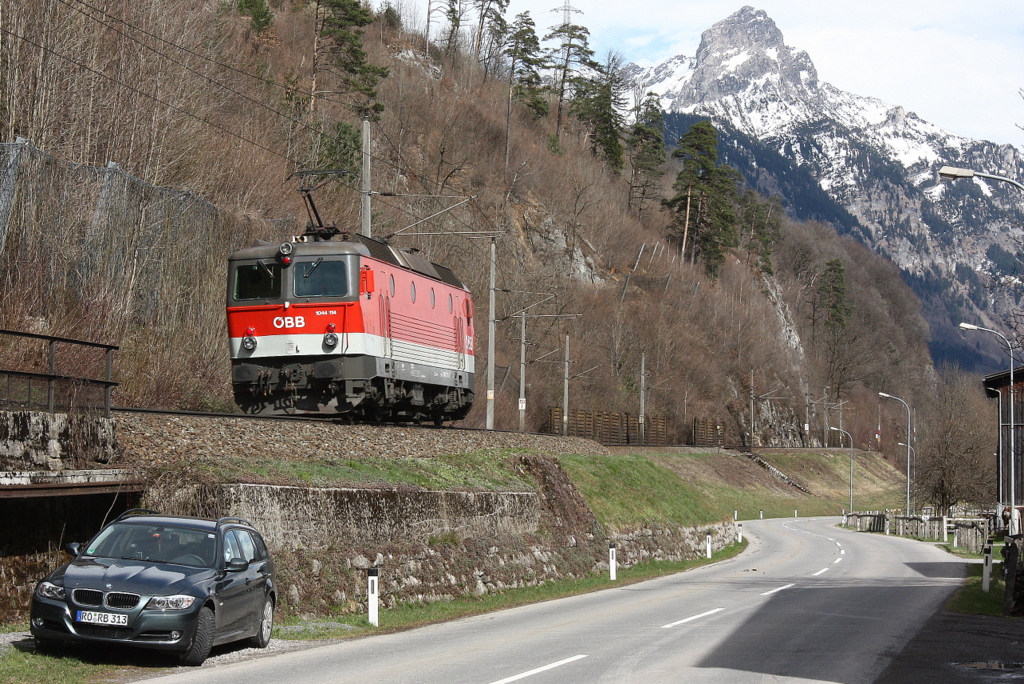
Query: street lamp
x,y
889,396
952,173
851,462
1013,427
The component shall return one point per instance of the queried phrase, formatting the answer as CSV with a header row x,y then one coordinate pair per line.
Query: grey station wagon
x,y
162,582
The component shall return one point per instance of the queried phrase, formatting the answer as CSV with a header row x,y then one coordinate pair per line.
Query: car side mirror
x,y
237,565
72,549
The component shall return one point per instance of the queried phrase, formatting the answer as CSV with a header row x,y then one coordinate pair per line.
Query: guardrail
x,y
21,394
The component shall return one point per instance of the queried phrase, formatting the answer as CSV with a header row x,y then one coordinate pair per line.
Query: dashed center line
x,y
842,552
692,618
524,675
837,560
820,571
768,593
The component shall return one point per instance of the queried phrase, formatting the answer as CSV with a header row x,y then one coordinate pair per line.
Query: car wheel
x,y
266,625
202,640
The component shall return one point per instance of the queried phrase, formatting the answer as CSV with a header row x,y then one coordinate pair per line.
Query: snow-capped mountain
x,y
876,160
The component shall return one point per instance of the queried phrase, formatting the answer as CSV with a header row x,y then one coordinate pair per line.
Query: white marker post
x,y
735,515
371,596
611,561
762,515
739,533
708,541
796,513
986,572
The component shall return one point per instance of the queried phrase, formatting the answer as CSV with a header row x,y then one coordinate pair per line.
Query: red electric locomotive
x,y
352,327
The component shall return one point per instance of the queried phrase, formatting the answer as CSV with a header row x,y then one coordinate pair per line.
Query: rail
x,y
52,378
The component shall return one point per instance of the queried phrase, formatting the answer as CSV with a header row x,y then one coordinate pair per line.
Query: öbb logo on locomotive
x,y
329,322
290,322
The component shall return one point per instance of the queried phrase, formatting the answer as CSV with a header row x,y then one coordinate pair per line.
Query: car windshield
x,y
155,543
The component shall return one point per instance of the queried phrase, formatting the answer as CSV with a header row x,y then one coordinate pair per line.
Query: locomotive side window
x,y
319,278
257,281
450,308
412,291
431,298
392,285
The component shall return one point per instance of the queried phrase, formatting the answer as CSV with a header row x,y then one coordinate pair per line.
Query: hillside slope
x,y
134,253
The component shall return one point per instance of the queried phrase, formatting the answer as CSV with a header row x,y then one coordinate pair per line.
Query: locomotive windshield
x,y
320,278
257,281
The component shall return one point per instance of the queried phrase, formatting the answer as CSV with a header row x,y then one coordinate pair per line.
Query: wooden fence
x,y
610,428
970,534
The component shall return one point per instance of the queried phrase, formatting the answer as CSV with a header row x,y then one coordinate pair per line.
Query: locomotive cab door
x,y
386,290
460,336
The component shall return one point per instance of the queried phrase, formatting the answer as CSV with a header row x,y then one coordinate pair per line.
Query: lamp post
x,y
913,469
905,404
1013,427
851,462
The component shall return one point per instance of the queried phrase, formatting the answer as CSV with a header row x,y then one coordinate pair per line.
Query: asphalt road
x,y
806,602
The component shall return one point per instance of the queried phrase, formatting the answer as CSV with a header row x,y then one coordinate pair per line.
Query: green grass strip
x,y
970,599
412,615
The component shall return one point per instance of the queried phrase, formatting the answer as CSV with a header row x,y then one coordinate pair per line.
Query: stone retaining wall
x,y
33,440
431,545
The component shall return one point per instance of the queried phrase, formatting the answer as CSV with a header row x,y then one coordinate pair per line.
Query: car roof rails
x,y
227,520
136,511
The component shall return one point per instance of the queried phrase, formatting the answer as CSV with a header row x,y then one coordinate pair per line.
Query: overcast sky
x,y
958,64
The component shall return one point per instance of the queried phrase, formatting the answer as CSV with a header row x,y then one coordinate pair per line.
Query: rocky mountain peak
x,y
747,28
747,50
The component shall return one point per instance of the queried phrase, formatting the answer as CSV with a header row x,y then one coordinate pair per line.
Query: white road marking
x,y
768,593
842,552
524,675
692,618
837,560
820,571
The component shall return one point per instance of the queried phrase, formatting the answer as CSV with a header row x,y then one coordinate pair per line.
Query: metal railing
x,y
52,378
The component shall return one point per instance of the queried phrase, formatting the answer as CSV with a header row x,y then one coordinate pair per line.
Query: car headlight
x,y
51,591
178,602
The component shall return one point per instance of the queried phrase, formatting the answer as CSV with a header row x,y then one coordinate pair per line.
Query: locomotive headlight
x,y
331,340
249,343
286,248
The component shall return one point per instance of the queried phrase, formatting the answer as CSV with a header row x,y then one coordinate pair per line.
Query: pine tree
x,y
572,54
525,62
705,197
258,12
832,307
761,222
597,102
490,15
492,35
454,14
646,145
339,23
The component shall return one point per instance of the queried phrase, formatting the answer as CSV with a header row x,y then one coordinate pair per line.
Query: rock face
x,y
869,168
